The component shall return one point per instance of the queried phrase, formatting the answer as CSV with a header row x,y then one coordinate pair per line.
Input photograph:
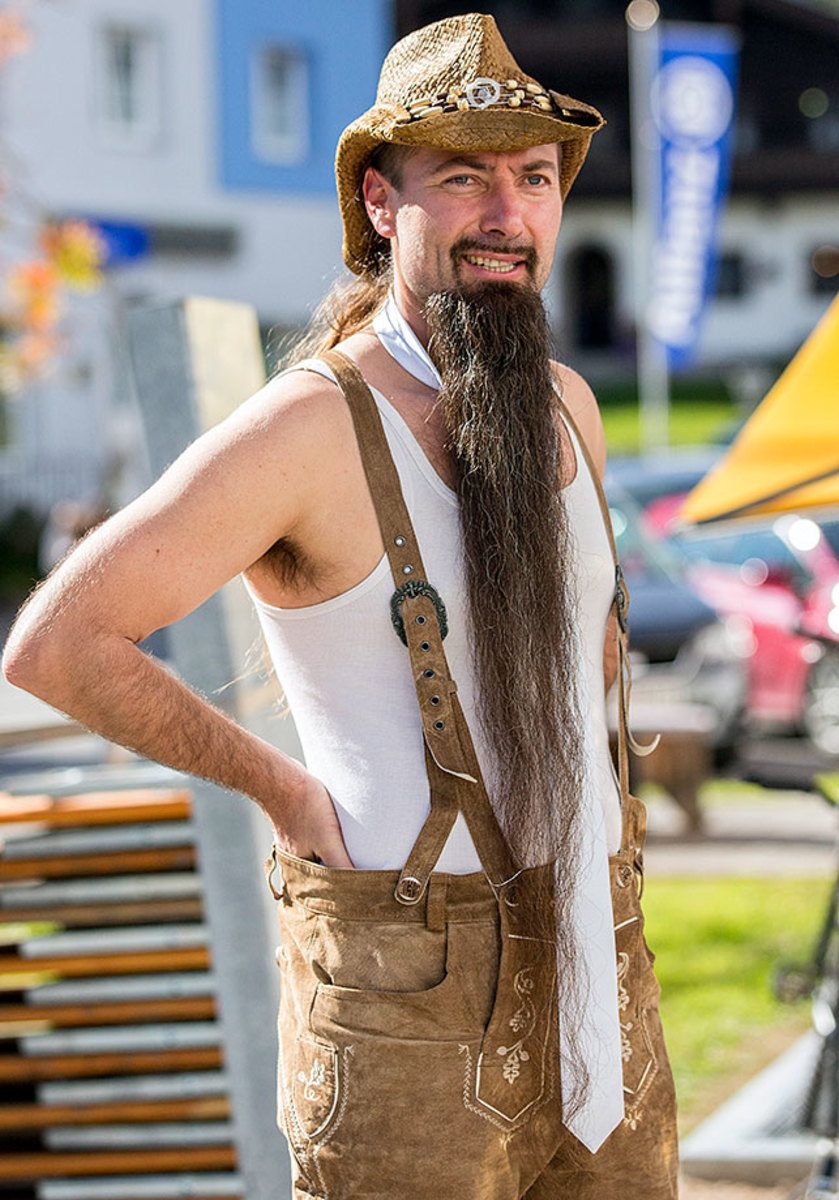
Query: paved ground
x,y
785,833
698,1189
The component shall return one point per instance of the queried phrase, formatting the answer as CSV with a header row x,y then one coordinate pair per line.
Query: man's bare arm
x,y
213,513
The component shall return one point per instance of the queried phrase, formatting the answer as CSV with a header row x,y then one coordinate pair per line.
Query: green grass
x,y
690,425
12,933
718,942
828,784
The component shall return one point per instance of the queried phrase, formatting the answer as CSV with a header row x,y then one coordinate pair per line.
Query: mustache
x,y
467,245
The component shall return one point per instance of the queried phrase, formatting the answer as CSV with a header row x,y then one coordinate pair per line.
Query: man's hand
x,y
307,825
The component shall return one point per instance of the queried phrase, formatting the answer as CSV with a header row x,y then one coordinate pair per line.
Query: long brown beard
x,y
492,348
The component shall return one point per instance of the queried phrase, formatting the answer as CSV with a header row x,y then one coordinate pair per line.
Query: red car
x,y
780,583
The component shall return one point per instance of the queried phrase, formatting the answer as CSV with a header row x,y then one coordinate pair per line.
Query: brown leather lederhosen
x,y
418,1029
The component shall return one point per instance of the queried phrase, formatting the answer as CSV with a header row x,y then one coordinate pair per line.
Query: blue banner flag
x,y
123,242
693,104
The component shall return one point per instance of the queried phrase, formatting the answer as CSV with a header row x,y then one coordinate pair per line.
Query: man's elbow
x,y
35,657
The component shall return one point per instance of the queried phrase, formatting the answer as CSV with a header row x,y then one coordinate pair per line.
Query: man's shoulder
x,y
305,398
581,403
297,385
576,393
298,401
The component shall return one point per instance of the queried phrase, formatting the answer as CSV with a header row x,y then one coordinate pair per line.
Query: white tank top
x,y
347,676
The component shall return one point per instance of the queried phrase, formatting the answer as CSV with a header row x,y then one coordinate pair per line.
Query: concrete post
x,y
193,362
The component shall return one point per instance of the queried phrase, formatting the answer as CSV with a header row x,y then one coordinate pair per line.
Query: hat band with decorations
x,y
483,93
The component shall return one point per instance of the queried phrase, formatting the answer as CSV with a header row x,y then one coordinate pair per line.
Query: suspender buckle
x,y
409,590
621,598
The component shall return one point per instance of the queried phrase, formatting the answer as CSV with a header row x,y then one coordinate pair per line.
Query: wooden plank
x,y
113,889
131,1089
122,1039
17,734
84,1066
113,1194
79,916
117,988
204,1186
101,777
114,1162
100,839
40,1116
97,808
99,864
137,1135
117,940
64,1016
188,959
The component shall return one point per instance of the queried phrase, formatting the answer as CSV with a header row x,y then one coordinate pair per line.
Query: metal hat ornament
x,y
453,85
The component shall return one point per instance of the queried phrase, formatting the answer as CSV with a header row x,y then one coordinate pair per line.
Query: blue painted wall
x,y
344,43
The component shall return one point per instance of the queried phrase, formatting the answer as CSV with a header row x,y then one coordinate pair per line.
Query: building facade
x,y
199,137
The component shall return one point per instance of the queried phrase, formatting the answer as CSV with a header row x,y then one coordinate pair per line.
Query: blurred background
x,y
151,151
196,141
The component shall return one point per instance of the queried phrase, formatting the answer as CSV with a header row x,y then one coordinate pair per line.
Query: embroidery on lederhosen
x,y
523,1019
626,1026
508,1128
640,1065
510,1077
314,1100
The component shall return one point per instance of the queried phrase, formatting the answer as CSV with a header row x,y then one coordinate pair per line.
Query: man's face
x,y
467,219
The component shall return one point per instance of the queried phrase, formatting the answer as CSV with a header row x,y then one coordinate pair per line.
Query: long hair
x,y
348,307
351,303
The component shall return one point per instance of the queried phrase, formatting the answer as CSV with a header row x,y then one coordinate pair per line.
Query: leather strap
x,y
454,772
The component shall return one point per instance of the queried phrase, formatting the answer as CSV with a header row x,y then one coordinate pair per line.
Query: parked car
x,y
682,651
777,580
783,580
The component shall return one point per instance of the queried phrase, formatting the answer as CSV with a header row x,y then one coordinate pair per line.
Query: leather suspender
x,y
418,611
419,618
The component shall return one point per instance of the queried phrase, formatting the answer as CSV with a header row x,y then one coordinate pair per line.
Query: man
x,y
455,835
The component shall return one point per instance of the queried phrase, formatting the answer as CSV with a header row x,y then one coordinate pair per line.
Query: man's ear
x,y
378,200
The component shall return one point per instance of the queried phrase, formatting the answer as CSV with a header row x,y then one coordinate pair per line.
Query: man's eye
x,y
460,179
537,180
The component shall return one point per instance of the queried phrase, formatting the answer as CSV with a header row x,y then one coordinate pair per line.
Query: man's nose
x,y
501,212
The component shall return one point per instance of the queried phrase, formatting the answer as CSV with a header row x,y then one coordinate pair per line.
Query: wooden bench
x,y
113,985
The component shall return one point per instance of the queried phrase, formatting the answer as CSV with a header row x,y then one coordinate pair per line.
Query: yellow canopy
x,y
786,456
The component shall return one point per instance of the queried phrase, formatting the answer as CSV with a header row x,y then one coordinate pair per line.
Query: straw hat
x,y
453,85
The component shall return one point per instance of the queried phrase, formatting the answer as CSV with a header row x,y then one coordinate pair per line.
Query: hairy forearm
x,y
113,688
